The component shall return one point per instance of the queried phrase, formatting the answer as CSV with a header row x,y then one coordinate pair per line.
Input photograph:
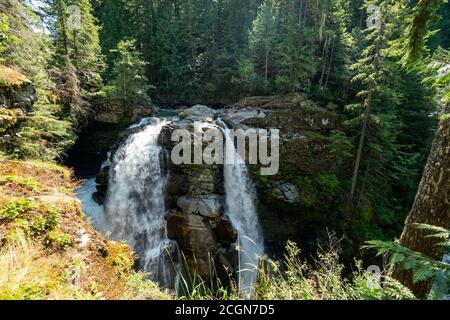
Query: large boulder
x,y
224,231
287,192
290,114
210,206
198,113
236,118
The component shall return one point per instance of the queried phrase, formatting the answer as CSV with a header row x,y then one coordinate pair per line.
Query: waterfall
x,y
240,206
135,209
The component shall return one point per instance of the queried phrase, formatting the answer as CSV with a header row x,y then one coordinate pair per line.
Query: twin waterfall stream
x,y
134,209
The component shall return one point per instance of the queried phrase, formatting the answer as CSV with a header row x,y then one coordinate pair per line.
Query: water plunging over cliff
x,y
240,206
134,208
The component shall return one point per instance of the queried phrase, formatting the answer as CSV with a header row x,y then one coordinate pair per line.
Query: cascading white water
x,y
134,208
240,206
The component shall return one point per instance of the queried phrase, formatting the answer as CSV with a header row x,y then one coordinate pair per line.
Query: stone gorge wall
x,y
304,198
195,203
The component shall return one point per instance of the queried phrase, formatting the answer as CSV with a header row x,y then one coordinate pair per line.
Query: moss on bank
x,y
47,248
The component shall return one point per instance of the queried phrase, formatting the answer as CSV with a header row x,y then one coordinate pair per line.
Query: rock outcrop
x,y
195,202
17,97
116,114
296,203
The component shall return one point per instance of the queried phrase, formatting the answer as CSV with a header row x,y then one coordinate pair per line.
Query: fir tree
x,y
129,85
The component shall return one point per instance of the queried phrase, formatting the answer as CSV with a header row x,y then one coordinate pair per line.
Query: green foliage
x,y
48,133
14,209
44,223
438,72
392,124
139,287
59,239
81,43
192,286
44,135
297,280
6,38
27,183
424,15
341,146
423,267
129,84
316,189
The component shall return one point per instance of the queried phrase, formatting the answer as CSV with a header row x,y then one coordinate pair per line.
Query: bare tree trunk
x,y
266,70
362,140
330,63
324,62
431,206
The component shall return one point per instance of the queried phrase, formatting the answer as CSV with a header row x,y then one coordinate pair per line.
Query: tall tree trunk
x,y
330,64
362,139
266,67
431,206
324,62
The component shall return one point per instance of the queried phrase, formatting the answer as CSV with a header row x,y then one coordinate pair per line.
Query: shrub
x,y
120,257
316,189
423,267
26,183
138,287
47,222
59,239
14,209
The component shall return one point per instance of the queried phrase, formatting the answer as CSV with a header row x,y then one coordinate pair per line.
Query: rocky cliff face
x,y
195,203
105,129
302,200
17,96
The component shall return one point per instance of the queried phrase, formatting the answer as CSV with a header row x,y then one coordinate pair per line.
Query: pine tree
x,y
263,42
370,72
116,19
77,41
129,85
389,152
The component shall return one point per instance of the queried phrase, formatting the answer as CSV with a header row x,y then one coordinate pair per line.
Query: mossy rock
x,y
9,118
